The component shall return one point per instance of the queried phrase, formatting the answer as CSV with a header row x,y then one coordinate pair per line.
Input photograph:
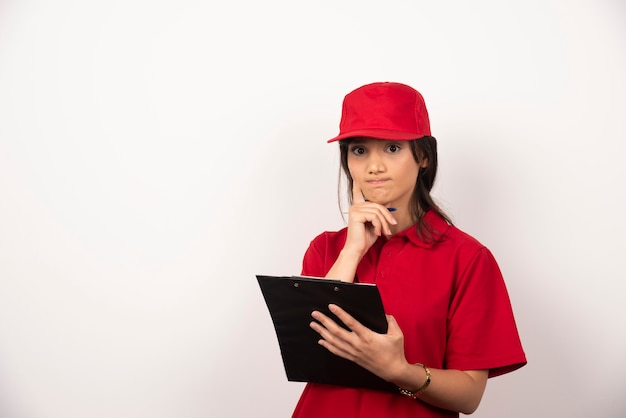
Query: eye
x,y
357,150
393,148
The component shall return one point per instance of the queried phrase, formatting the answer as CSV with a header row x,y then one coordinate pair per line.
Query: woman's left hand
x,y
381,354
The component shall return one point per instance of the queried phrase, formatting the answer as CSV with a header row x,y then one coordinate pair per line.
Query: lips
x,y
377,182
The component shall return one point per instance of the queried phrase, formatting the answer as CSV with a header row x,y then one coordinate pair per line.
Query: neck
x,y
405,219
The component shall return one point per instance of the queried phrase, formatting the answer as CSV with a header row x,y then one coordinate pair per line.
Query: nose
x,y
375,163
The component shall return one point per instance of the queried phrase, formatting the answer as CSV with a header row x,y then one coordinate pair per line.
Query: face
x,y
385,170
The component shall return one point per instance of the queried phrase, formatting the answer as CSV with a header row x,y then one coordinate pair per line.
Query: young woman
x,y
451,325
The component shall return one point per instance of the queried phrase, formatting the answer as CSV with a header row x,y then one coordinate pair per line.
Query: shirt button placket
x,y
384,260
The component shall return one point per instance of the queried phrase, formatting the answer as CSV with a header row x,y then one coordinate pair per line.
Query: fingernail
x,y
392,209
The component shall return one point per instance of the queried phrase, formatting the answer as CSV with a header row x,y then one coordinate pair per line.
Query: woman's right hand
x,y
366,222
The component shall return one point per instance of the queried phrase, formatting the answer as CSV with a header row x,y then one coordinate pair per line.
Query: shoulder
x,y
450,236
467,249
458,248
462,239
330,239
322,252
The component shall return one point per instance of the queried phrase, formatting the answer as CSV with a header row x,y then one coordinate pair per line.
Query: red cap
x,y
384,111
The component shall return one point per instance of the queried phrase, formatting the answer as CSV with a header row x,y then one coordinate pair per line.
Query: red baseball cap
x,y
384,111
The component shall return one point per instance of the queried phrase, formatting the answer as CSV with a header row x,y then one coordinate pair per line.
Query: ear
x,y
423,163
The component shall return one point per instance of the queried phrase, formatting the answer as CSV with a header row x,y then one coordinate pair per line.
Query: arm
x,y
366,222
383,355
344,268
455,390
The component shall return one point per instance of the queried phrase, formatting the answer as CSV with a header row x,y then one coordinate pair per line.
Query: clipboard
x,y
290,301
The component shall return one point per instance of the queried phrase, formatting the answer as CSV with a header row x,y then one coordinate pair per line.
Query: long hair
x,y
423,149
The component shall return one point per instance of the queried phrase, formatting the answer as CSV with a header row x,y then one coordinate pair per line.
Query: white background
x,y
156,155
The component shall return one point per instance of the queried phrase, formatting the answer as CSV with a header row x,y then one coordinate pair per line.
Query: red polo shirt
x,y
450,300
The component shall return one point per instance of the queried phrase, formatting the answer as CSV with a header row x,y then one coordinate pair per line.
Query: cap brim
x,y
379,134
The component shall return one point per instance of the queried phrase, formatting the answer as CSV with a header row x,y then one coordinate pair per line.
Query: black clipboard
x,y
290,301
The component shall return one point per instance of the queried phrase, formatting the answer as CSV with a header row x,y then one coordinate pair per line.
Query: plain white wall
x,y
156,155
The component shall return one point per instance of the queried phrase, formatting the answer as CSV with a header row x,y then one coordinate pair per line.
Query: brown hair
x,y
423,149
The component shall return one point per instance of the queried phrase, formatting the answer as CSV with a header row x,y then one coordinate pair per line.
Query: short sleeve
x,y
322,253
313,261
482,333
